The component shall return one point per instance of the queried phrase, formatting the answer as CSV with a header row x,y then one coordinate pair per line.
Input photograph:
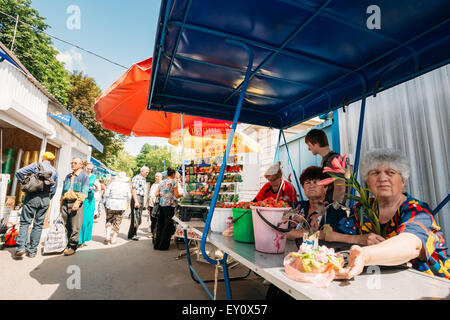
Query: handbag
x,y
38,182
155,210
56,240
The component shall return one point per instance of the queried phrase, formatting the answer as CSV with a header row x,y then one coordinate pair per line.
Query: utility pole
x,y
15,31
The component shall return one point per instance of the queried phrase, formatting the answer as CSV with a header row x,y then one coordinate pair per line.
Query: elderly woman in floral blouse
x,y
412,234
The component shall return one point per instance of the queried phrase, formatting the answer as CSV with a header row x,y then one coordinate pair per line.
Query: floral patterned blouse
x,y
415,217
166,193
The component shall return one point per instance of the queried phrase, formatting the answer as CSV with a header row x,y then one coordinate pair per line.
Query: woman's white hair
x,y
393,158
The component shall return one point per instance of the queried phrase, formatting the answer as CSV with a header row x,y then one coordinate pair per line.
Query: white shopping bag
x,y
56,240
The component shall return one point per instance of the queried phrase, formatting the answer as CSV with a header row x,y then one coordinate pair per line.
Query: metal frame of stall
x,y
241,41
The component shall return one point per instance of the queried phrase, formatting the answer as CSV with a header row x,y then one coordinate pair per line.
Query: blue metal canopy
x,y
310,57
5,56
277,63
101,168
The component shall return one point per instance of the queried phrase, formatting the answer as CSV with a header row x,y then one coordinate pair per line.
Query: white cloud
x,y
72,59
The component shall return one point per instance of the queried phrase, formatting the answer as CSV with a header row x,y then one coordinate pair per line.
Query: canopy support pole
x,y
223,166
182,156
277,150
441,205
358,144
292,165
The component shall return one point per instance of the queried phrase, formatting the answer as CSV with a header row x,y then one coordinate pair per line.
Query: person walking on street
x,y
75,191
138,192
35,206
88,207
98,196
167,193
117,196
152,200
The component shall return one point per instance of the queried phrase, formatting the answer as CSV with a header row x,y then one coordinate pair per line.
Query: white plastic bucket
x,y
219,219
267,239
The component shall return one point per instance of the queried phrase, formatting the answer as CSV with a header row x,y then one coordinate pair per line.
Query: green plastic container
x,y
243,225
8,160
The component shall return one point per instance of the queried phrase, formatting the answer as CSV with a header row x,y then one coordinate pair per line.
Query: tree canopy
x,y
157,159
126,163
33,48
81,100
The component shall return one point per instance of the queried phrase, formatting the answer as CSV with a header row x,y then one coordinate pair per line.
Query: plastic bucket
x,y
4,214
270,235
243,225
219,219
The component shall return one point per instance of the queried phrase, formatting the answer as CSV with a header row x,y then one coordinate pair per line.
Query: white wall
x,y
255,164
19,93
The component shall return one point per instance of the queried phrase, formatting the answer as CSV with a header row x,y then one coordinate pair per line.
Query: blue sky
x,y
121,31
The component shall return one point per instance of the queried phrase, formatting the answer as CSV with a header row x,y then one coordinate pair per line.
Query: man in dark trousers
x,y
35,206
317,142
75,190
138,191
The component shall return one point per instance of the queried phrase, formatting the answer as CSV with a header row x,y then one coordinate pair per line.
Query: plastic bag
x,y
56,240
320,278
229,232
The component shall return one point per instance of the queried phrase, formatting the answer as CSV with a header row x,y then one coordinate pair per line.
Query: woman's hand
x,y
75,206
370,239
315,221
356,263
318,215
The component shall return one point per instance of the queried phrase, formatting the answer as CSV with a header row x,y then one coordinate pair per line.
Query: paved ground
x,y
127,270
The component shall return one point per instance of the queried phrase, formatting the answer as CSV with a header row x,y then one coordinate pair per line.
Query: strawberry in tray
x,y
242,205
272,203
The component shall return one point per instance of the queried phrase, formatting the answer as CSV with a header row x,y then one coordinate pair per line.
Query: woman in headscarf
x,y
277,187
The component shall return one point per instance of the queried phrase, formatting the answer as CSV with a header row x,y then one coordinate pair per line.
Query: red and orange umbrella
x,y
122,108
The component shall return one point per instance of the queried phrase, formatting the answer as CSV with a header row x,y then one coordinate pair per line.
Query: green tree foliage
x,y
126,163
33,48
76,91
81,102
154,156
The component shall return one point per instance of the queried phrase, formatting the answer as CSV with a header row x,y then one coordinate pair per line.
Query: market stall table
x,y
193,235
187,212
194,229
391,283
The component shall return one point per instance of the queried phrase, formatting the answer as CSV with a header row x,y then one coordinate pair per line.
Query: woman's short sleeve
x,y
416,218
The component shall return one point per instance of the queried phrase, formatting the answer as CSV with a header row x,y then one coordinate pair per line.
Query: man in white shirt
x,y
138,192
